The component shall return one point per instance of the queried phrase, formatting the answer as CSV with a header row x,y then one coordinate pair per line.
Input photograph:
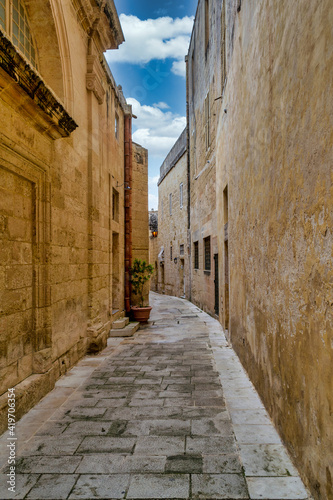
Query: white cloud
x,y
161,105
153,202
152,39
152,181
179,68
156,130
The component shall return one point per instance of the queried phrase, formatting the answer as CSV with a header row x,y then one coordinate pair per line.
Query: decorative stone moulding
x,y
21,85
94,77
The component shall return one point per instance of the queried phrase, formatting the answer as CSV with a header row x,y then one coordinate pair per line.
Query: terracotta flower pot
x,y
141,314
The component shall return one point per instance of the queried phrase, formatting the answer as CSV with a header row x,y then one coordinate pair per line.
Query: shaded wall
x,y
274,154
140,237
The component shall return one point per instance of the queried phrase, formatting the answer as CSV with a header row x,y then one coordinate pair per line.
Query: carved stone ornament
x,y
94,77
53,116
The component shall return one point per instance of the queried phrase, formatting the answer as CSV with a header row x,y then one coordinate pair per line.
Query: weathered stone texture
x,y
274,152
204,101
61,168
140,236
173,265
154,249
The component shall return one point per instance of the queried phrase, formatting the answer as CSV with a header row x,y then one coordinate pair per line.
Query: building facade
x,y
173,256
154,248
275,217
259,193
65,215
205,74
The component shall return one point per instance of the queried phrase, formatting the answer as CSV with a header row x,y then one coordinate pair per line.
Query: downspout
x,y
128,208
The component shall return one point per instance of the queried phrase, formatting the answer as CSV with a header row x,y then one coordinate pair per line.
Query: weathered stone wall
x,y
140,237
173,274
154,246
61,210
204,102
274,153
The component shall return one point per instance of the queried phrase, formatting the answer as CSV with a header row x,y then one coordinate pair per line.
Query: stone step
x,y
120,323
127,331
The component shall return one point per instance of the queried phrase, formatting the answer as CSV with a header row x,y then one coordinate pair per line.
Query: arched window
x,y
14,21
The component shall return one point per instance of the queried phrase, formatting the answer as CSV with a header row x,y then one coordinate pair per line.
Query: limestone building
x,y
173,256
260,102
66,164
274,150
205,76
153,248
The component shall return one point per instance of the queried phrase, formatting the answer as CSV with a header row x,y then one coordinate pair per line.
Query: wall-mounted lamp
x,y
124,184
175,260
154,234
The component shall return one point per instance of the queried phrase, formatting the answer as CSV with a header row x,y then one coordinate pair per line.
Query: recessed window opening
x,y
196,255
181,250
207,261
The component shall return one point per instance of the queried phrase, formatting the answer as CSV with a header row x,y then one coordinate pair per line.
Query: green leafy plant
x,y
140,273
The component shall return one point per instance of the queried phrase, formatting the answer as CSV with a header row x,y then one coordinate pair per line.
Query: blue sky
x,y
150,67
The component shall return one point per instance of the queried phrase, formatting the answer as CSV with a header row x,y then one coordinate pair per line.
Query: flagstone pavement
x,y
166,414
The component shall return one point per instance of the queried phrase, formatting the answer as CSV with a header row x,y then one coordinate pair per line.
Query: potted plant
x,y
140,273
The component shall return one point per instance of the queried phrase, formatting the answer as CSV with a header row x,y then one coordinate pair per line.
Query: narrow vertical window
x,y
181,195
181,250
223,47
170,204
196,255
170,252
207,121
207,254
206,23
115,205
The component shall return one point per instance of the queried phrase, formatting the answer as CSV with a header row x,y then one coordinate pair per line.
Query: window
x,y
206,23
181,195
196,255
3,14
223,47
115,205
171,252
207,254
170,204
207,120
181,250
116,126
13,20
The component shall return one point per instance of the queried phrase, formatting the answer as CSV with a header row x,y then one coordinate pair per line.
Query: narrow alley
x,y
168,413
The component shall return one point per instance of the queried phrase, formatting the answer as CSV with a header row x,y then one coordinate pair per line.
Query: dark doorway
x,y
216,283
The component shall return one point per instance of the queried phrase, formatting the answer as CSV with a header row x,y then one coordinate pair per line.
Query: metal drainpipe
x,y
128,209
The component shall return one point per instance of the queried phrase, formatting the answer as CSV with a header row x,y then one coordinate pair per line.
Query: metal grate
x,y
196,255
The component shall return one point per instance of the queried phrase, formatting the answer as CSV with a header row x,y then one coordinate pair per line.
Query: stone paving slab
x,y
168,413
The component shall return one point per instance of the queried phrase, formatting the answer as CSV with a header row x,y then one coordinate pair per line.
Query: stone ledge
x,y
21,85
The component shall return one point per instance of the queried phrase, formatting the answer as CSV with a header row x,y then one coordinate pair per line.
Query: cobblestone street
x,y
168,413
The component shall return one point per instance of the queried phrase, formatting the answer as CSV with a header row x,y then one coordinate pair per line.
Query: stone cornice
x,y
50,114
99,19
